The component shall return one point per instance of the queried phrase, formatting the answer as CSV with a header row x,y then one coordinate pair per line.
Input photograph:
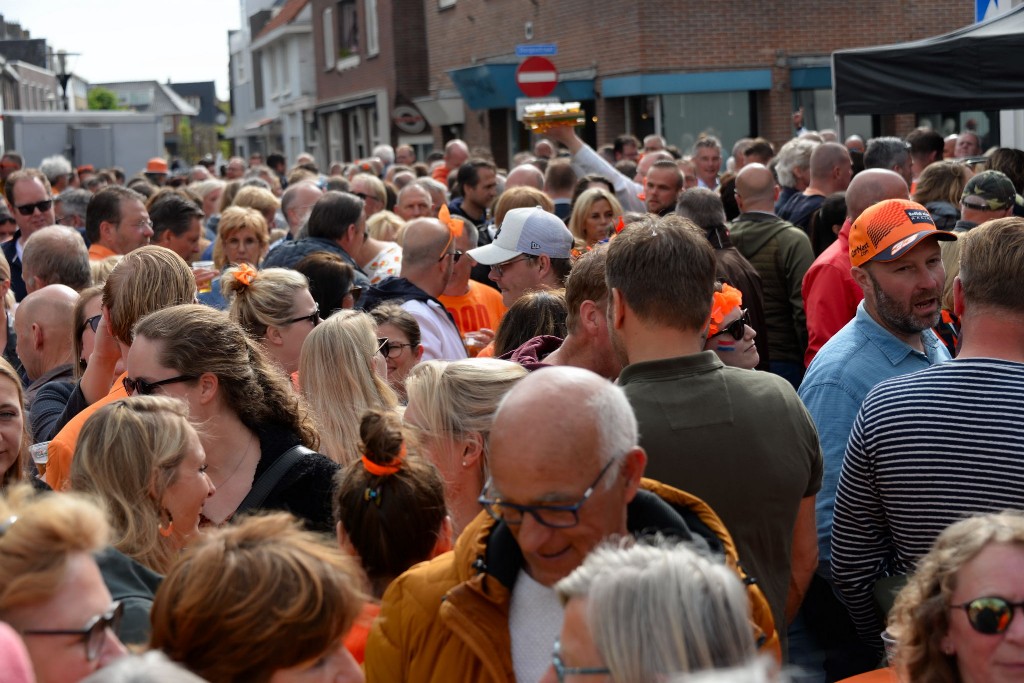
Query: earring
x,y
465,464
166,531
947,649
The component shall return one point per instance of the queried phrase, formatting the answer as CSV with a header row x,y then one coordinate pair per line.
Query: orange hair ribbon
x,y
245,274
723,303
384,470
620,226
454,224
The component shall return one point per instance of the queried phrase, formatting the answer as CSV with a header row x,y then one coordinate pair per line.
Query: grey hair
x,y
385,153
794,154
761,670
660,609
149,667
54,167
702,206
615,423
706,141
75,202
886,152
56,255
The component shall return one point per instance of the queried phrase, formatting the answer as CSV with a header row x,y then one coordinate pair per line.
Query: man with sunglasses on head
x,y
428,258
561,482
740,440
930,448
29,195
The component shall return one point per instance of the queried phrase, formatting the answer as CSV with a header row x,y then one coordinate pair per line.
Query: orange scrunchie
x,y
385,470
724,301
245,274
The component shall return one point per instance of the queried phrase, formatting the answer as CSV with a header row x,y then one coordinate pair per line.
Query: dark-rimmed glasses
x,y
737,328
561,670
313,317
94,635
553,516
93,322
29,209
499,268
144,388
990,615
394,350
456,255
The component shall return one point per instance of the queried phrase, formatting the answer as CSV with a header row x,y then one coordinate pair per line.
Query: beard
x,y
901,317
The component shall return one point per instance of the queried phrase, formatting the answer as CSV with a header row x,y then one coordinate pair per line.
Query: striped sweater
x,y
926,450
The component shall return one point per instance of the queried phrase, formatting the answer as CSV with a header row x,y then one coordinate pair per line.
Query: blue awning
x,y
493,86
681,83
810,78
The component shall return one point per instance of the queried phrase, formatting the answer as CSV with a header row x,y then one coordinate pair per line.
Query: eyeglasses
x,y
991,615
313,317
737,328
393,350
561,670
553,516
499,268
382,345
144,388
455,254
29,209
364,197
143,224
94,635
93,322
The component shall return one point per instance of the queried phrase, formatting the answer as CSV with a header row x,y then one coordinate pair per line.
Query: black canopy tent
x,y
977,67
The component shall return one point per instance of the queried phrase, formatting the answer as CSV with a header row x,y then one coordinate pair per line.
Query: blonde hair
x,y
102,269
339,383
455,398
127,455
34,549
253,598
227,197
581,209
16,472
87,295
257,198
5,276
146,280
919,619
943,181
237,218
267,299
386,226
380,192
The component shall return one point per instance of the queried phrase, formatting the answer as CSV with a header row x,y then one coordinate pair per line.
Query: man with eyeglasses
x,y
988,195
428,257
896,262
116,223
561,482
739,440
930,448
29,196
532,251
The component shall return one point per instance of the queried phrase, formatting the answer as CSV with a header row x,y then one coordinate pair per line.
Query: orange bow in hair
x,y
454,224
245,274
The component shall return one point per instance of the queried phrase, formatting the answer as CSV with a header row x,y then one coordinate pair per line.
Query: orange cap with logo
x,y
889,229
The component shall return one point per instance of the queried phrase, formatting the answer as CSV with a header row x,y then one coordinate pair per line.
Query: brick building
x,y
673,67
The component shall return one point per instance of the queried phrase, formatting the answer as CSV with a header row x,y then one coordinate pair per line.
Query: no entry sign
x,y
536,77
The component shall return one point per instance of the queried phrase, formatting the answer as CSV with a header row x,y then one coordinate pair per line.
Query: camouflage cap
x,y
992,187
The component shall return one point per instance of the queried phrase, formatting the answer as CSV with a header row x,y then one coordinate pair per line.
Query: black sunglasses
x,y
93,322
94,635
456,255
144,388
736,328
29,209
382,346
990,615
313,317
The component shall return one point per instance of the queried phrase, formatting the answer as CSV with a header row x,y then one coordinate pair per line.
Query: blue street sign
x,y
535,49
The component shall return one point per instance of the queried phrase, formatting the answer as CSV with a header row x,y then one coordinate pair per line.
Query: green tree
x,y
101,98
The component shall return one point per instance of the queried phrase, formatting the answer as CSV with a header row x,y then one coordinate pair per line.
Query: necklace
x,y
238,465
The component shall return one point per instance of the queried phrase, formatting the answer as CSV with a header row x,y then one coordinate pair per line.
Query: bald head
x,y
830,167
44,324
525,175
423,243
871,186
755,188
649,159
456,153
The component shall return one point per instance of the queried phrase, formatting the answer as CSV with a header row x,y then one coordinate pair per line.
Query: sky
x,y
131,40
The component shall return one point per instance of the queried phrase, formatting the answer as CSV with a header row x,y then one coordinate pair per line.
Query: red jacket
x,y
830,293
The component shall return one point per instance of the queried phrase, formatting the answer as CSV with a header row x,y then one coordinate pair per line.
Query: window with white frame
x,y
348,29
372,39
330,56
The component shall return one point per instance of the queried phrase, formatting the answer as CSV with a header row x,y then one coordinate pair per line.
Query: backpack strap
x,y
270,478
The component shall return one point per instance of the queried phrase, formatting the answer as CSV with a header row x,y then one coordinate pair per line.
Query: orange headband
x,y
245,274
723,303
392,467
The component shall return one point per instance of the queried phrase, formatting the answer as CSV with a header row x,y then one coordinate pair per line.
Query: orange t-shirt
x,y
355,641
480,307
62,447
98,252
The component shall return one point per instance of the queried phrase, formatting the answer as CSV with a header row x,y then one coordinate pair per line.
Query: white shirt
x,y
440,338
534,621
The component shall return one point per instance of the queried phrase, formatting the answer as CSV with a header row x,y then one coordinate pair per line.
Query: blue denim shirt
x,y
849,365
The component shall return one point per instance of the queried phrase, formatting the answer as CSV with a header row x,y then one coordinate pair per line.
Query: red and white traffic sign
x,y
537,77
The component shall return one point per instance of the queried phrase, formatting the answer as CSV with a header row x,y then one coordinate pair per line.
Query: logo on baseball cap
x,y
889,229
526,231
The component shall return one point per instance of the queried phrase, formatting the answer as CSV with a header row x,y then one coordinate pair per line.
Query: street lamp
x,y
63,76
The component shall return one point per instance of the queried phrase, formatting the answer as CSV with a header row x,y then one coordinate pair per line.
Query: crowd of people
x,y
626,414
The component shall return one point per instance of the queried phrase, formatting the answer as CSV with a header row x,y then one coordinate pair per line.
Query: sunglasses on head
x,y
737,328
990,615
29,209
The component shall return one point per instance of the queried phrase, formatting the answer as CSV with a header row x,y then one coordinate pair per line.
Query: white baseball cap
x,y
526,231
